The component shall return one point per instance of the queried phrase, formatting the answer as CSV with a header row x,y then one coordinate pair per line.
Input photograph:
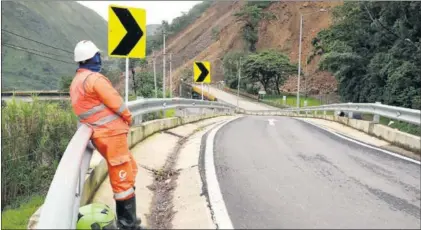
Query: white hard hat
x,y
85,50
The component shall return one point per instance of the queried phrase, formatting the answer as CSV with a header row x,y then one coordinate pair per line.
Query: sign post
x,y
126,30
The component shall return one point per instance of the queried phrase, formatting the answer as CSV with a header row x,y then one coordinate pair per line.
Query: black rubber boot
x,y
126,214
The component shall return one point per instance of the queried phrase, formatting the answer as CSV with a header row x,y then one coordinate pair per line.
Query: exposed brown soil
x,y
195,43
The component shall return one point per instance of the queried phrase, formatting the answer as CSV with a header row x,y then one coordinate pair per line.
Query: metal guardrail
x,y
412,116
140,107
61,206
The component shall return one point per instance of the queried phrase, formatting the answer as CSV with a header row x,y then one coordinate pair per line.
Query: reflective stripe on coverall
x,y
98,105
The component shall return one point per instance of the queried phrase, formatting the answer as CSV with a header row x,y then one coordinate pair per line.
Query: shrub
x,y
34,137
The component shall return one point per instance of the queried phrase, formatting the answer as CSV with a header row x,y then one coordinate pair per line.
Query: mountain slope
x,y
60,24
198,41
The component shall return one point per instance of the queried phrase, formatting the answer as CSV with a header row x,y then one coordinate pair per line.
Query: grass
x,y
399,125
170,113
18,218
291,100
34,137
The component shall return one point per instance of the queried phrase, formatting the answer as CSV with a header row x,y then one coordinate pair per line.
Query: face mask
x,y
93,64
97,59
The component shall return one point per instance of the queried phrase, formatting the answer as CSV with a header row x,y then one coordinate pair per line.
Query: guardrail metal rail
x,y
412,116
61,206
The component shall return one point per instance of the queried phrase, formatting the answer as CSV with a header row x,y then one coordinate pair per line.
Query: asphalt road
x,y
243,103
293,175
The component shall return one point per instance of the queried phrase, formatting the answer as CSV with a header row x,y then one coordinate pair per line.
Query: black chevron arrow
x,y
134,32
203,70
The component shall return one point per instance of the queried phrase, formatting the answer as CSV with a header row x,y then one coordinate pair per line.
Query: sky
x,y
156,11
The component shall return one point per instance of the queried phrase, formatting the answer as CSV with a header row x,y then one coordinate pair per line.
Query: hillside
x,y
217,32
60,24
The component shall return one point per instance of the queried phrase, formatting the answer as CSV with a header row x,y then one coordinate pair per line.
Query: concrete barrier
x,y
394,136
398,138
98,171
136,135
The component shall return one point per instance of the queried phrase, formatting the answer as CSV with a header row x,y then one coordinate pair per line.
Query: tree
x,y
136,63
373,49
230,65
146,86
271,68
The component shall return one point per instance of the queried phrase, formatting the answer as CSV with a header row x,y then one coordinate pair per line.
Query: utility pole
x,y
163,71
238,85
181,88
202,90
127,80
170,75
299,52
154,75
299,62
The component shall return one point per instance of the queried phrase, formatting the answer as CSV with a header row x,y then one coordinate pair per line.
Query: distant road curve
x,y
243,103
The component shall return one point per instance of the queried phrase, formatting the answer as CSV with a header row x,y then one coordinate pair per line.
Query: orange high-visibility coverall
x,y
98,105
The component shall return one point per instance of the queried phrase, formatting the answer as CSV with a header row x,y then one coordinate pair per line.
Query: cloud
x,y
156,11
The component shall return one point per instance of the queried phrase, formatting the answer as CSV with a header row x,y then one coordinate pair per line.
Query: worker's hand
x,y
128,120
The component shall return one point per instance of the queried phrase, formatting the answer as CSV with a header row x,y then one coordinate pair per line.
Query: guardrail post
x,y
137,120
376,117
180,112
350,113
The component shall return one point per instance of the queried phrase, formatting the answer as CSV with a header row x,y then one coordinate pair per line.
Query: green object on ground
x,y
96,216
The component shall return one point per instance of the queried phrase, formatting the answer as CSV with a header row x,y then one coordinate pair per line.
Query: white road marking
x,y
365,145
271,122
216,200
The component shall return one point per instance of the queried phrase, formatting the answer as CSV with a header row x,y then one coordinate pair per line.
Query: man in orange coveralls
x,y
98,105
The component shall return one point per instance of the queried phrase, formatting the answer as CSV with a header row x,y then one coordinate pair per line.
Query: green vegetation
x,y
231,68
251,14
373,49
400,125
291,100
403,126
34,137
215,33
270,68
17,218
60,24
65,83
178,24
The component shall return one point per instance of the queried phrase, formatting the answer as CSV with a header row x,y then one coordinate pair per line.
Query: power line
x,y
36,41
39,51
42,55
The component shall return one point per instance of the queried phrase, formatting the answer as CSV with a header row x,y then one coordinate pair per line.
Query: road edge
x,y
210,184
